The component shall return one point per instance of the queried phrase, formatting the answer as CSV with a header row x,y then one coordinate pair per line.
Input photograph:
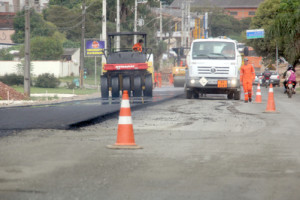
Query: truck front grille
x,y
213,70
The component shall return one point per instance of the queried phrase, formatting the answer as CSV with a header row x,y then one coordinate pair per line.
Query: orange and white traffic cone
x,y
271,102
125,137
258,94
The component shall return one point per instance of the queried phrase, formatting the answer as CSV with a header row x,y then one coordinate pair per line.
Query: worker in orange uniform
x,y
155,79
159,79
138,46
247,77
171,79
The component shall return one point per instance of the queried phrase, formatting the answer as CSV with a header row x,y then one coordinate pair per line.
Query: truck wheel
x,y
137,86
148,86
237,95
188,94
104,87
196,95
126,84
115,87
230,95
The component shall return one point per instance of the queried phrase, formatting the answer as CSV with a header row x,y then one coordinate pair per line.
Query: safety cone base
x,y
270,111
124,147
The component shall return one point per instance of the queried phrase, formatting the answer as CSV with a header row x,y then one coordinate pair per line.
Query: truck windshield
x,y
213,50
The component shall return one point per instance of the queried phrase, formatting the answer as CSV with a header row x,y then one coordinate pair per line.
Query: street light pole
x,y
182,23
82,45
135,21
160,21
103,31
118,25
27,51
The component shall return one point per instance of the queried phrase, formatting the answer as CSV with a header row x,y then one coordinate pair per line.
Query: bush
x,y
71,85
47,81
12,79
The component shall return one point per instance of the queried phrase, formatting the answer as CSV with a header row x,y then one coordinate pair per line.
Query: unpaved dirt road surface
x,y
209,148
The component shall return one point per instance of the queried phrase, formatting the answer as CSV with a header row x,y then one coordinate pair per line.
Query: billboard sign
x,y
255,34
94,47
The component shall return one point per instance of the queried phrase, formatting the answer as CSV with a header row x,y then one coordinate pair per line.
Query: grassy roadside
x,y
76,91
90,80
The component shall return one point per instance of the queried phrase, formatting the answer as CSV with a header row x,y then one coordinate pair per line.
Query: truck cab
x,y
213,68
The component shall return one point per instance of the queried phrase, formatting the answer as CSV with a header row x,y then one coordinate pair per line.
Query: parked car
x,y
258,78
275,78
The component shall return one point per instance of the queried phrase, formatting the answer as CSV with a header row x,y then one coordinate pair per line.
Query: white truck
x,y
213,68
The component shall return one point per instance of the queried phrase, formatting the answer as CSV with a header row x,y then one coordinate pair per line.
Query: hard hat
x,y
245,59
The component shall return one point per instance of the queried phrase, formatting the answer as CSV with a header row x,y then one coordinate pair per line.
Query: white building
x,y
67,66
17,5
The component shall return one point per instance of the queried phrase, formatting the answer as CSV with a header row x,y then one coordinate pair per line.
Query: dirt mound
x,y
5,90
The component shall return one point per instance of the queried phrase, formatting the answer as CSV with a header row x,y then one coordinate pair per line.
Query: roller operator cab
x,y
126,69
213,68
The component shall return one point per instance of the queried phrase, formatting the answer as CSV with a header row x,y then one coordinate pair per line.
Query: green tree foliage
x,y
66,15
264,18
222,24
38,26
45,48
5,55
286,29
66,3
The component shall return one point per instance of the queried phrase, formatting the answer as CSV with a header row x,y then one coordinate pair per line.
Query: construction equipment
x,y
126,69
180,66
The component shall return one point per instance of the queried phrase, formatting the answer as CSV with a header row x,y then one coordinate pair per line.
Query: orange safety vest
x,y
137,47
247,73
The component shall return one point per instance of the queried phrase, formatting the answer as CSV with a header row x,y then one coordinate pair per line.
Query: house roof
x,y
69,51
6,19
220,3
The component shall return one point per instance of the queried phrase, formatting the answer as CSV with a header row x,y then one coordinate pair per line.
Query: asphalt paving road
x,y
209,148
68,114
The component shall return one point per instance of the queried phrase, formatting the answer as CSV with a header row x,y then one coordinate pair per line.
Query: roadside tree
x,y
38,26
286,29
45,48
264,19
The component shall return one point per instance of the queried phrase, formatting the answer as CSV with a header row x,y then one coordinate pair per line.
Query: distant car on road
x,y
258,78
275,78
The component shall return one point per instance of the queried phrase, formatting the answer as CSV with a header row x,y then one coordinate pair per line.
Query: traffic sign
x,y
256,33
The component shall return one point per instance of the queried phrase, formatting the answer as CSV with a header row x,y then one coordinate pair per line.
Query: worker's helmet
x,y
245,59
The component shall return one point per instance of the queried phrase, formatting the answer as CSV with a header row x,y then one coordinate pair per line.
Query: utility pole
x,y
135,20
81,68
189,23
118,25
276,57
160,21
104,30
182,23
206,26
27,50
